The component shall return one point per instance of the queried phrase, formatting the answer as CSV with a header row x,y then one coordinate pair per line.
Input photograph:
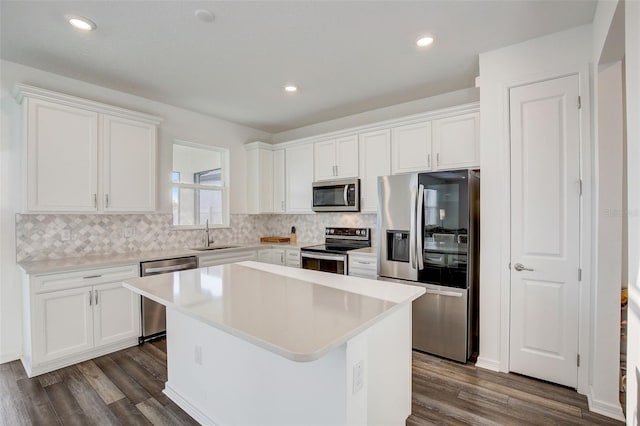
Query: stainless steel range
x,y
332,255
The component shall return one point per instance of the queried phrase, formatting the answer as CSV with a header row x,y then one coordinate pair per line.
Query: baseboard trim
x,y
188,407
613,411
8,357
488,364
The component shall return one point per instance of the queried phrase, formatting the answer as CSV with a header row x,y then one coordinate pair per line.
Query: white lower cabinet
x,y
280,256
67,323
221,258
364,266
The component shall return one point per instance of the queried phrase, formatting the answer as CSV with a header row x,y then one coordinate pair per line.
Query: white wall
x,y
446,100
632,61
178,124
567,52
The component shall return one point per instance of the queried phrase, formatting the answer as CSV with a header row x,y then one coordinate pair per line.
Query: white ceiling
x,y
346,57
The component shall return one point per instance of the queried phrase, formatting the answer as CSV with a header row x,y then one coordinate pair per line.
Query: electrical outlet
x,y
358,376
198,355
65,235
129,232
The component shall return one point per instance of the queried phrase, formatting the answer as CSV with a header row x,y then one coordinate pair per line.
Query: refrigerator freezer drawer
x,y
440,319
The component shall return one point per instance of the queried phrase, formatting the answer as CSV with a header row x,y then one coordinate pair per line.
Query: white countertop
x,y
118,259
297,313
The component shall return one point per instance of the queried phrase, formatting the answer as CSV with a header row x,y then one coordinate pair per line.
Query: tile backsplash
x,y
40,236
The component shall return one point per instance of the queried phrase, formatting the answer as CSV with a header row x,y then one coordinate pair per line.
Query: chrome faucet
x,y
207,238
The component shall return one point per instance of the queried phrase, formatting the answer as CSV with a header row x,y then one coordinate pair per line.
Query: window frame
x,y
224,188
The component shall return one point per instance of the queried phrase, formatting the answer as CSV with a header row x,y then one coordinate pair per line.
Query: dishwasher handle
x,y
172,268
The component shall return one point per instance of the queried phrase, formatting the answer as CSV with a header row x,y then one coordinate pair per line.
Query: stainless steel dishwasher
x,y
154,315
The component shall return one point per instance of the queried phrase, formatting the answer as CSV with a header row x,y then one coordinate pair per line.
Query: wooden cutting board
x,y
275,239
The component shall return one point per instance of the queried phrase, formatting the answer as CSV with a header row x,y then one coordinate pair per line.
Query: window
x,y
200,191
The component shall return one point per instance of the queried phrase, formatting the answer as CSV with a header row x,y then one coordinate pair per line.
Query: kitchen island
x,y
252,343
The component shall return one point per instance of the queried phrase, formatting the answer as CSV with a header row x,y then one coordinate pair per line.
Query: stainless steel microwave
x,y
336,196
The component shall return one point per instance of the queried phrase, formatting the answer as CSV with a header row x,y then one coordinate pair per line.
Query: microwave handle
x,y
346,195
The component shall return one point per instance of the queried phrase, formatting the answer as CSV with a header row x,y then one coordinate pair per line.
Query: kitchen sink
x,y
213,248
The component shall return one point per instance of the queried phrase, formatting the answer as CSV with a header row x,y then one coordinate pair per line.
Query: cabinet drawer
x,y
363,266
206,261
54,282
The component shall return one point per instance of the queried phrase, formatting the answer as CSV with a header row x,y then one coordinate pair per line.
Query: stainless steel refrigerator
x,y
428,235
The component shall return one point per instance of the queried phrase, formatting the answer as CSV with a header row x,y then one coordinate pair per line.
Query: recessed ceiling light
x,y
290,88
204,15
424,41
81,23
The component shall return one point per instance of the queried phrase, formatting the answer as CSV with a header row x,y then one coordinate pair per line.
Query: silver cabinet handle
x,y
363,262
520,267
437,159
429,160
95,201
106,198
96,297
91,276
90,297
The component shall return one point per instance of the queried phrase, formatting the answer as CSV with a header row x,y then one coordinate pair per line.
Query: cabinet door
x,y
264,255
299,175
224,258
375,148
456,141
129,165
62,147
324,160
62,323
278,181
411,148
347,157
292,258
265,184
277,256
116,314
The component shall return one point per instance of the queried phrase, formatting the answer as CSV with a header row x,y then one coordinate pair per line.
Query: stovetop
x,y
341,240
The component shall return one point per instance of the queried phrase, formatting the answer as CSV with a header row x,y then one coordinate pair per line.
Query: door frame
x,y
586,217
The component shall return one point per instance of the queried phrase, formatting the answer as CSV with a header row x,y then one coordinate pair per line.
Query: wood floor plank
x,y
37,402
50,378
100,382
66,406
18,370
156,414
128,414
152,385
93,406
13,410
153,350
148,362
129,387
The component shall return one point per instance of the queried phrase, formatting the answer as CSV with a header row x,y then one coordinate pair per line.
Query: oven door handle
x,y
323,256
346,195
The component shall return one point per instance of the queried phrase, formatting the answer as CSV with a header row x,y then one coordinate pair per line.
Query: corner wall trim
x,y
488,364
605,408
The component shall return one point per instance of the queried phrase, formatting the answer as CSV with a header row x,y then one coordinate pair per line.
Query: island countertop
x,y
296,313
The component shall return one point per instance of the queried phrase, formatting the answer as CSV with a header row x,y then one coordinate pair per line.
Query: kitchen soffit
x,y
346,57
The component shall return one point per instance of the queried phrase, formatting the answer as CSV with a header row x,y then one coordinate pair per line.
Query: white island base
x,y
255,344
220,379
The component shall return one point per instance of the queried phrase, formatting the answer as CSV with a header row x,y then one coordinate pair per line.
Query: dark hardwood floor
x,y
125,388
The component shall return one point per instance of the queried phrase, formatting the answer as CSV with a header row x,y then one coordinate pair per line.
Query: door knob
x,y
520,267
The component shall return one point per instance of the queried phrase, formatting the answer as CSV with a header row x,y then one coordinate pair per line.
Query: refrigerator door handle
x,y
419,227
413,230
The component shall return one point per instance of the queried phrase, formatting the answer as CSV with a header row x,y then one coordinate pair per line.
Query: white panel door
x,y
62,144
129,165
279,181
64,320
375,150
299,175
545,230
456,141
411,148
324,160
347,157
116,314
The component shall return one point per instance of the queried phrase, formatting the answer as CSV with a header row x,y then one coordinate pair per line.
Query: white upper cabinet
x,y
299,176
62,157
456,141
445,143
336,158
411,148
279,198
375,148
68,137
265,178
129,165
